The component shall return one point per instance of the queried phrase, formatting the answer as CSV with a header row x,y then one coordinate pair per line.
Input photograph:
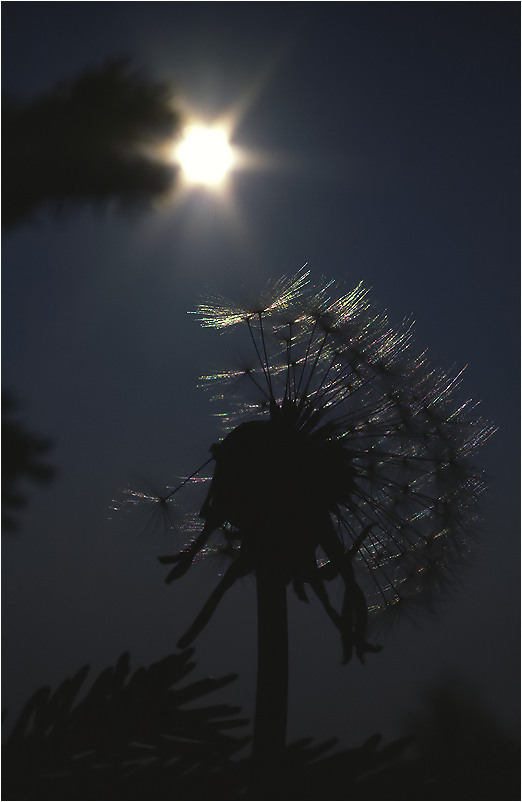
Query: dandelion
x,y
346,459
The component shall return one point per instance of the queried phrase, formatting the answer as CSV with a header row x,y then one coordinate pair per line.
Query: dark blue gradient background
x,y
393,132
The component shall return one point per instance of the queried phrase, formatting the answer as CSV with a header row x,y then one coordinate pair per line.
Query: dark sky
x,y
392,131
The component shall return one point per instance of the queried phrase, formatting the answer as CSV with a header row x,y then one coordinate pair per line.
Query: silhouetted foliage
x,y
460,751
23,459
451,750
133,736
140,736
91,140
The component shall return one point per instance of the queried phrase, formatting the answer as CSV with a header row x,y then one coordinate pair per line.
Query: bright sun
x,y
205,155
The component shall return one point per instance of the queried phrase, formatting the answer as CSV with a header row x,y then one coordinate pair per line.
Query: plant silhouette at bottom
x,y
346,461
131,736
140,735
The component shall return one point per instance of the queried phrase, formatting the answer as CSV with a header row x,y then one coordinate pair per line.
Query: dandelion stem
x,y
288,386
314,366
323,380
261,361
272,676
259,387
306,357
267,361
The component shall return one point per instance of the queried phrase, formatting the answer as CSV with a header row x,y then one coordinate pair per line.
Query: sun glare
x,y
205,155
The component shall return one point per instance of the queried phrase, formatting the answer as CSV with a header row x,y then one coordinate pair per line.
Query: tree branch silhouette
x,y
139,736
132,736
89,141
23,459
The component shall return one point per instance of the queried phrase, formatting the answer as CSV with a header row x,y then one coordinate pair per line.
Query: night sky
x,y
387,144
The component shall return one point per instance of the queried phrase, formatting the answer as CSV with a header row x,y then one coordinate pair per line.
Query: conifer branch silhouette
x,y
24,456
89,141
131,736
137,735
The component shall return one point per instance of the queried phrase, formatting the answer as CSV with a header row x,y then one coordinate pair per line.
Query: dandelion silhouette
x,y
347,458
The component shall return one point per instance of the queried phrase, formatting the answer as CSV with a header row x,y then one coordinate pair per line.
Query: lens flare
x,y
205,155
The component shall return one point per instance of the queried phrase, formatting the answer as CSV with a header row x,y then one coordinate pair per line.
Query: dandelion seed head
x,y
345,452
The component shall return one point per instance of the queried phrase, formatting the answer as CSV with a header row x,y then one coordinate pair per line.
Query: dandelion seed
x,y
158,511
153,511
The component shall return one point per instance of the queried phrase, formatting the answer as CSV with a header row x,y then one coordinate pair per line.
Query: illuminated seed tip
x,y
277,296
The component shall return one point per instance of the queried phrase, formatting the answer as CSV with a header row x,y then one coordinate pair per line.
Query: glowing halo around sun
x,y
205,155
206,158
